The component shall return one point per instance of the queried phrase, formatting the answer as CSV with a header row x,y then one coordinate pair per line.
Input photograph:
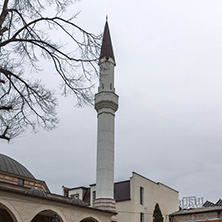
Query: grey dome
x,y
77,202
9,165
36,192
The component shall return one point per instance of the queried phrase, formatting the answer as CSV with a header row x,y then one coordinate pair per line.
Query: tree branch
x,y
25,38
8,108
3,13
3,136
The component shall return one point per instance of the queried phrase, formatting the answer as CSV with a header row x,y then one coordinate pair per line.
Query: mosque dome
x,y
36,192
77,202
11,166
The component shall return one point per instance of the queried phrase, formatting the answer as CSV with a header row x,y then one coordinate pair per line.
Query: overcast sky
x,y
169,123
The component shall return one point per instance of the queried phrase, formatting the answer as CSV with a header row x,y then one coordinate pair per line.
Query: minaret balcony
x,y
106,100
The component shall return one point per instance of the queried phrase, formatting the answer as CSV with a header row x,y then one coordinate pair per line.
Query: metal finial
x,y
107,18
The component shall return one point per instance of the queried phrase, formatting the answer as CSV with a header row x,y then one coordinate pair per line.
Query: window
x,y
20,181
141,217
141,195
66,192
75,196
94,195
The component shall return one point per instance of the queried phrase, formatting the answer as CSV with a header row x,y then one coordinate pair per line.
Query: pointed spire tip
x,y
106,49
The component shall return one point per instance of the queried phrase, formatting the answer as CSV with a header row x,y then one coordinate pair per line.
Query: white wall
x,y
76,191
166,197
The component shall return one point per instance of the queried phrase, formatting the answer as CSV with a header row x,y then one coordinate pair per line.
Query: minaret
x,y
106,104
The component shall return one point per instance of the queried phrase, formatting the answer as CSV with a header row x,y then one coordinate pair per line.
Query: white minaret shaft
x,y
106,104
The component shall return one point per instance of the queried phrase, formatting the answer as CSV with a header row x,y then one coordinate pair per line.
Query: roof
x,y
35,192
197,210
77,202
207,207
208,204
122,191
211,204
219,203
106,49
48,197
11,166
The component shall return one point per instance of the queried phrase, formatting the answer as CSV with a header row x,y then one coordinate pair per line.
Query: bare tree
x,y
25,36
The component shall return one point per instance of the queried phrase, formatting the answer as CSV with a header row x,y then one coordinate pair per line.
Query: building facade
x,y
208,212
135,198
204,214
23,198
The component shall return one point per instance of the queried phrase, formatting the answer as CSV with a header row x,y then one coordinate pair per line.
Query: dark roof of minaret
x,y
107,49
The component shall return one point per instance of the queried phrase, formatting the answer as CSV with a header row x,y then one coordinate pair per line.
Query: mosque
x,y
23,198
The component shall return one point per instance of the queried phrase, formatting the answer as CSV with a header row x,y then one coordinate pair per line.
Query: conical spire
x,y
107,49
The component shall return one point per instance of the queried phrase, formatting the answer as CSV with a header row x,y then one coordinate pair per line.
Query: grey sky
x,y
168,77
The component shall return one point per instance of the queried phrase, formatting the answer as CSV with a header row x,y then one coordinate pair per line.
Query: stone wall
x,y
24,208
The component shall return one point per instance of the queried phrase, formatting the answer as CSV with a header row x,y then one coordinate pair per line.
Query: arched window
x,y
6,214
89,219
47,216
